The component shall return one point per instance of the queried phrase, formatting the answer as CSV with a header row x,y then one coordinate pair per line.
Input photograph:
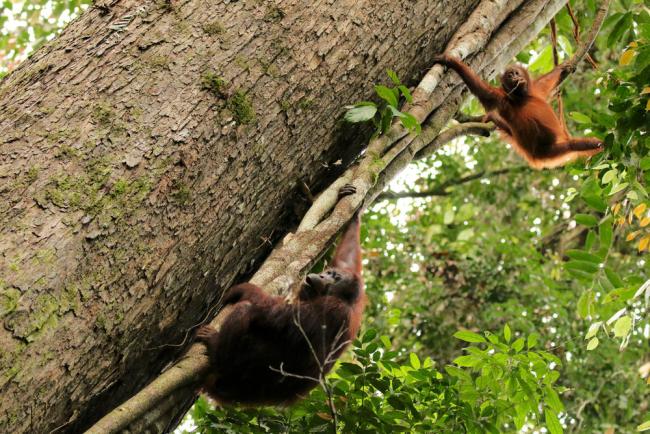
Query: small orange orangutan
x,y
522,113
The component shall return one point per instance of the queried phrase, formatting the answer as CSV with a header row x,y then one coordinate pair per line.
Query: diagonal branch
x,y
584,47
442,189
464,129
576,33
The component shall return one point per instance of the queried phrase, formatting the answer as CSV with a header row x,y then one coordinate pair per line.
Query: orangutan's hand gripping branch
x,y
522,113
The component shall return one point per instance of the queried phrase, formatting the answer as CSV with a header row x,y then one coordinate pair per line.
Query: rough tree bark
x,y
127,189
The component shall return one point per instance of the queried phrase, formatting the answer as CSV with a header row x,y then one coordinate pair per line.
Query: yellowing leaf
x,y
645,90
324,416
647,106
609,176
631,236
622,326
593,330
645,221
644,426
643,244
593,343
616,208
633,44
626,57
639,210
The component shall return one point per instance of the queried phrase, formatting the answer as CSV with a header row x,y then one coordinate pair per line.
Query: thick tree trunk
x,y
132,177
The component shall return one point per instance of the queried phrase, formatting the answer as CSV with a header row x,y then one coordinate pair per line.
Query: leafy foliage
x,y
382,115
382,391
27,25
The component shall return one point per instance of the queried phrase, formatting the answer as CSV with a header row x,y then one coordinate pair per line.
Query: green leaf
x,y
360,113
467,361
593,329
618,187
518,345
396,113
581,255
644,164
619,295
614,278
396,402
609,176
532,340
386,119
465,234
386,94
551,377
623,25
393,77
544,61
584,304
369,335
411,123
552,422
457,372
506,333
590,240
448,218
587,267
605,236
552,399
586,220
596,202
644,426
583,276
591,189
350,369
593,343
622,326
467,336
406,93
580,118
415,362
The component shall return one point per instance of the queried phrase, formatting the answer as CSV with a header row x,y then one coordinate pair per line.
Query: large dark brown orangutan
x,y
522,113
270,352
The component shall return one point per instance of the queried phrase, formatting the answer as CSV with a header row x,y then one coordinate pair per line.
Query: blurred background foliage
x,y
26,25
502,299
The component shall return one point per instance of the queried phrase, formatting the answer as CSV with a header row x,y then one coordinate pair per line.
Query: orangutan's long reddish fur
x,y
523,115
260,336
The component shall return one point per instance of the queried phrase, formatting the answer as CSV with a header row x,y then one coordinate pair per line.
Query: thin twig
x,y
284,373
442,189
330,402
465,129
576,34
329,358
585,46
